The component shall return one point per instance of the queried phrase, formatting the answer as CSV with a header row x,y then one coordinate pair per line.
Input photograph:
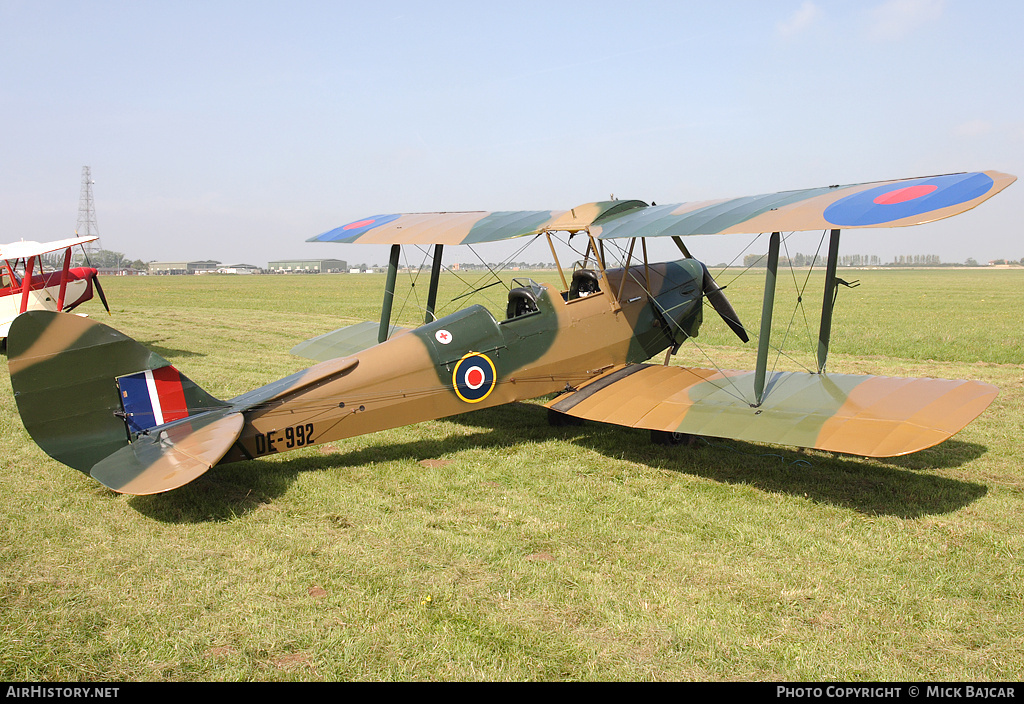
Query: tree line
x,y
107,259
753,261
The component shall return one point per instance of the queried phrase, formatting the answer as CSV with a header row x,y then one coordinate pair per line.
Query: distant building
x,y
118,271
308,266
240,269
197,267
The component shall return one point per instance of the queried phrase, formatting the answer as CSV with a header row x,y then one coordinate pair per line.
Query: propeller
x,y
99,290
95,279
716,297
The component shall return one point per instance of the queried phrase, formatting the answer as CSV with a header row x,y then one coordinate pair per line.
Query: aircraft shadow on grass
x,y
165,352
169,352
892,487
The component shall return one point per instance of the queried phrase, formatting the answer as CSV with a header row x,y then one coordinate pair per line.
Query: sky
x,y
235,131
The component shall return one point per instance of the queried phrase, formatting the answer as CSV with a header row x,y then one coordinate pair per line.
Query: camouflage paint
x,y
821,208
62,370
861,415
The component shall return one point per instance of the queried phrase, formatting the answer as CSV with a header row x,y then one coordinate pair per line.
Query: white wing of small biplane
x,y
895,203
25,249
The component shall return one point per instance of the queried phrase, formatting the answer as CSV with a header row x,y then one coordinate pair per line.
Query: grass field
x,y
491,546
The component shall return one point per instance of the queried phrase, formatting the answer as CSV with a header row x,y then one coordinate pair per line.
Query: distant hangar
x,y
287,266
308,266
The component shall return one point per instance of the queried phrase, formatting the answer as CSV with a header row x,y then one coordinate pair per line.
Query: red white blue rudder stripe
x,y
152,397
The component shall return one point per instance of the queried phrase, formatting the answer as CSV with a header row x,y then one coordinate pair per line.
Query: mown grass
x,y
491,546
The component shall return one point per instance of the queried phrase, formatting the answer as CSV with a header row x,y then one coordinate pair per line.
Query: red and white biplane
x,y
25,285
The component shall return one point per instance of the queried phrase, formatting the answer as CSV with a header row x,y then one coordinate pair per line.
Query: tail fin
x,y
85,391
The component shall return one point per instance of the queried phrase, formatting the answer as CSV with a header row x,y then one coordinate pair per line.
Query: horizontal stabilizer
x,y
342,342
294,384
870,416
171,456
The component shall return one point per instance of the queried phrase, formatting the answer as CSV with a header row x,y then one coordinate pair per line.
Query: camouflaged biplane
x,y
139,426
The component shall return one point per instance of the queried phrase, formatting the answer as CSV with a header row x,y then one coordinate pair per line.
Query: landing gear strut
x,y
558,420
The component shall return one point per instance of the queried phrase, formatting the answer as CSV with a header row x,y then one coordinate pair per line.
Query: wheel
x,y
671,438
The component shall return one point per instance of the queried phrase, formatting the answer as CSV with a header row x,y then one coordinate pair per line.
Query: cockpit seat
x,y
521,301
585,283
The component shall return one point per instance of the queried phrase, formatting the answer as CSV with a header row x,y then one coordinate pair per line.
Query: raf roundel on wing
x,y
355,229
904,199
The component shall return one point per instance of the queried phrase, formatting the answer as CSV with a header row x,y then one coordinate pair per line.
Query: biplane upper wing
x,y
23,249
471,227
870,416
895,203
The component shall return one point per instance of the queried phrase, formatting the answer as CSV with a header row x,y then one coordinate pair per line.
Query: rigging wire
x,y
411,293
778,348
471,288
798,306
733,390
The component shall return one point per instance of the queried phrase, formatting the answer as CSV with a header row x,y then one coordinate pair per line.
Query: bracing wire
x,y
780,349
797,307
732,390
471,288
411,293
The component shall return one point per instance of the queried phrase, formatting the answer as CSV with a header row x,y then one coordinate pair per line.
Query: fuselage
x,y
44,292
471,360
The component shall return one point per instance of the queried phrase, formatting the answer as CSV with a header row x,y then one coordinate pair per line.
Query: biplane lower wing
x,y
869,416
343,342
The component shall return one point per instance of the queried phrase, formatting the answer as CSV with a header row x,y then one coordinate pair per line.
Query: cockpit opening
x,y
522,300
585,282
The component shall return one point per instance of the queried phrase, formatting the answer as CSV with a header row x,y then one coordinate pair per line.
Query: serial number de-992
x,y
286,439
